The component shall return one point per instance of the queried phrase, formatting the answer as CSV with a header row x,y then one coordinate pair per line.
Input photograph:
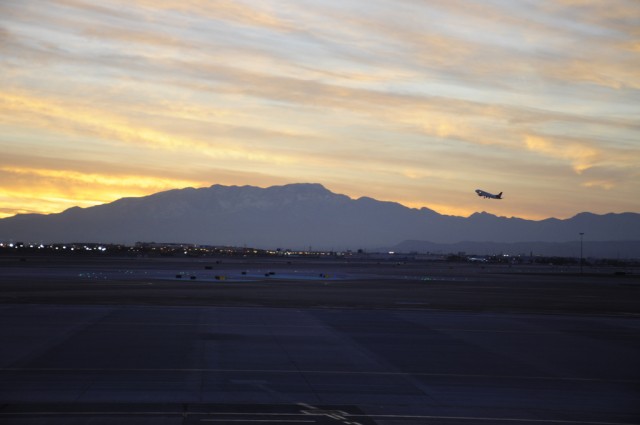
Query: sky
x,y
411,101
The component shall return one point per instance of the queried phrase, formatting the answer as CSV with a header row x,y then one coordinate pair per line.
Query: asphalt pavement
x,y
105,343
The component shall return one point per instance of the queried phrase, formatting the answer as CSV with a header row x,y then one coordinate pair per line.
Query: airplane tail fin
x,y
499,195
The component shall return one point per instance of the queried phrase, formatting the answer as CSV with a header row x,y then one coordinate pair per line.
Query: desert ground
x,y
106,340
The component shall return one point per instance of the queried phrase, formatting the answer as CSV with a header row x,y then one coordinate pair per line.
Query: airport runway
x,y
244,358
302,283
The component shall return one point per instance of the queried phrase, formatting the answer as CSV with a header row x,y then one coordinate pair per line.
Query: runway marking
x,y
120,284
477,418
248,413
333,414
343,416
114,413
279,421
163,414
110,413
327,372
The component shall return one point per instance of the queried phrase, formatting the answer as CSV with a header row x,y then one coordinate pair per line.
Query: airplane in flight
x,y
488,195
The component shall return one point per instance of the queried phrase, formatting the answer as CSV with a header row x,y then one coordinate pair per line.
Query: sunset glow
x,y
419,103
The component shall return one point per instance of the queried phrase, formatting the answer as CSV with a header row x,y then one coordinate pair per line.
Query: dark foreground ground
x,y
194,341
302,283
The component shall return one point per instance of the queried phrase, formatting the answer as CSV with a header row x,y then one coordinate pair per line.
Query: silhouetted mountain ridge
x,y
295,216
600,249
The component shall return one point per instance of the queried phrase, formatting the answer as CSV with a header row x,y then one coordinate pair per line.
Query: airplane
x,y
488,195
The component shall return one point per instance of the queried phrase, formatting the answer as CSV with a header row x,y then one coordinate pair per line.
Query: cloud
x,y
612,176
417,95
238,12
101,179
79,117
47,190
605,169
581,157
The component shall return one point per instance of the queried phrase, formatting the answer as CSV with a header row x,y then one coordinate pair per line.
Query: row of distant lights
x,y
288,253
186,251
64,247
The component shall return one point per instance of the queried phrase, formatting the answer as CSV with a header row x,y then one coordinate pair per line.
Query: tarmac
x,y
127,341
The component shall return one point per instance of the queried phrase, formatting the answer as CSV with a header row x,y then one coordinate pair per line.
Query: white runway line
x,y
346,415
278,421
477,418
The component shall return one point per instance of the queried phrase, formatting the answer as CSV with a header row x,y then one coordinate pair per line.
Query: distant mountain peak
x,y
309,188
482,214
305,186
295,216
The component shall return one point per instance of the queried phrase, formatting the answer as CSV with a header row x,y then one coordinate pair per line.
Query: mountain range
x,y
299,216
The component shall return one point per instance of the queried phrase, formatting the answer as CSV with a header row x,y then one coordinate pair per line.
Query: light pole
x,y
581,235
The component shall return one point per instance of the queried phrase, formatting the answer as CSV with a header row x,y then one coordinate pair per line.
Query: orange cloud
x,y
604,184
324,91
49,190
580,156
81,118
144,182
